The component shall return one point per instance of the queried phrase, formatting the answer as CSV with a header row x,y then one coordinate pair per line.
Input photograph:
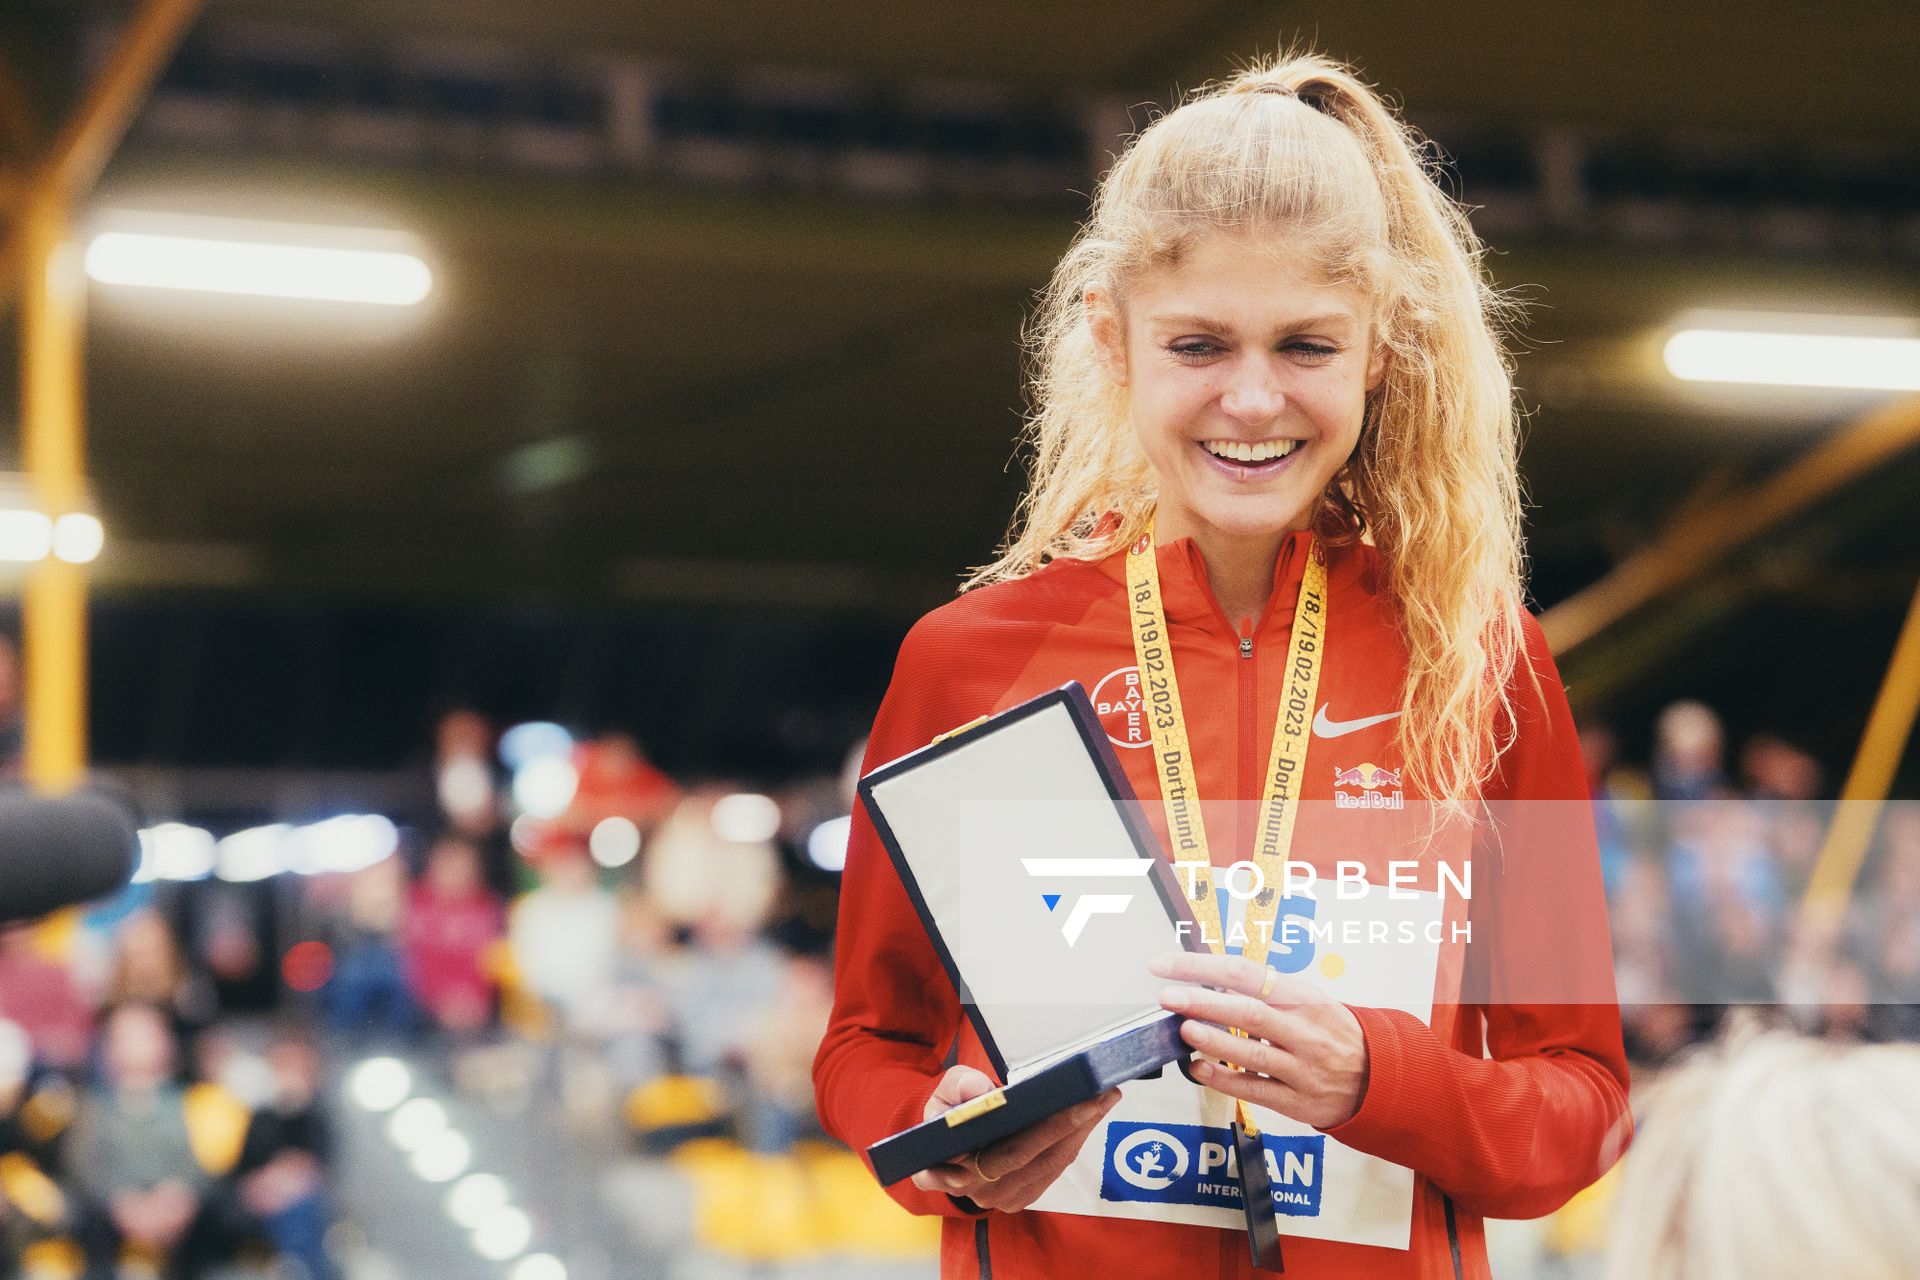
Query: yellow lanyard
x,y
1286,765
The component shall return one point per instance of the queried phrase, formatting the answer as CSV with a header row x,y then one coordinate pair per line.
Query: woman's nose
x,y
1253,395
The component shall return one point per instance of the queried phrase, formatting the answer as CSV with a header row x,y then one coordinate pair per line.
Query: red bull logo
x,y
1379,788
1370,776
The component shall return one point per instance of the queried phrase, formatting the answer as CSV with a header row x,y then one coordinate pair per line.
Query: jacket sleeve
x,y
894,1010
1516,1133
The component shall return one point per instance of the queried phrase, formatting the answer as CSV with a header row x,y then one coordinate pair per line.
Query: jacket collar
x,y
1187,594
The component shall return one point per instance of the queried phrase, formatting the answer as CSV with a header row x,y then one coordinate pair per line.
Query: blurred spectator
x,y
694,874
227,925
284,1165
38,993
616,780
152,1205
778,1054
639,1013
564,936
724,989
149,968
1728,901
34,1211
1598,749
452,919
367,995
1888,928
1776,1159
1773,769
464,777
1688,753
13,732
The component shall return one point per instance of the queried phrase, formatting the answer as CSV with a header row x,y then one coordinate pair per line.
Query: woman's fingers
x,y
1009,1154
960,1084
1261,1090
1024,1165
1024,1187
951,1177
1245,1052
1016,1190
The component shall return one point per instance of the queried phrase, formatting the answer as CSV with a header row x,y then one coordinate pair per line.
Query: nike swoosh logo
x,y
1326,728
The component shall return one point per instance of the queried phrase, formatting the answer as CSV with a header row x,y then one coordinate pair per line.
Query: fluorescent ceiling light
x,y
78,537
1782,350
258,259
25,535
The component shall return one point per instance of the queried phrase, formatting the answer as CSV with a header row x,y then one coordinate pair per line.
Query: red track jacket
x,y
1501,1109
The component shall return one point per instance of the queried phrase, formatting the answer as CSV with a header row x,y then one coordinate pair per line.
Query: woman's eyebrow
x,y
1330,319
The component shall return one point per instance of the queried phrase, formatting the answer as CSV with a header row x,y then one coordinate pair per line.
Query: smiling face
x,y
1248,376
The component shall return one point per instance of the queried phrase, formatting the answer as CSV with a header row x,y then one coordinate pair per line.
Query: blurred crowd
x,y
577,929
136,1136
1706,866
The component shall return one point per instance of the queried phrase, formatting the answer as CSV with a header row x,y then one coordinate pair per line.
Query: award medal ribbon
x,y
1279,806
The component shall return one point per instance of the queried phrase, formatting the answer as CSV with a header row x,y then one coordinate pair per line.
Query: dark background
x,y
719,386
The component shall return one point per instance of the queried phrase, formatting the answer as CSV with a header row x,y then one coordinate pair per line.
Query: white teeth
x,y
1242,451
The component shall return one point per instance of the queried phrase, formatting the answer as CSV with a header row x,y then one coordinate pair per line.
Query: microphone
x,y
59,850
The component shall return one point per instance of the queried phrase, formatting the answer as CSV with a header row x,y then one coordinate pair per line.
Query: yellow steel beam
x,y
72,162
1702,538
1889,729
52,413
88,139
54,608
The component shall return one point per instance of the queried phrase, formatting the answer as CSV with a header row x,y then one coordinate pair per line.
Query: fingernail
x,y
1161,965
1174,998
1201,1067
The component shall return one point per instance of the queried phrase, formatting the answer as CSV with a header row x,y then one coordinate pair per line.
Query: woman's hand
x,y
1304,1054
1010,1174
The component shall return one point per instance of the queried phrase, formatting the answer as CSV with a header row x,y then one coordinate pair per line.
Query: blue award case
x,y
1026,856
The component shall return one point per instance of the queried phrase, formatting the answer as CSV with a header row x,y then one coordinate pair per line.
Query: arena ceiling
x,y
694,380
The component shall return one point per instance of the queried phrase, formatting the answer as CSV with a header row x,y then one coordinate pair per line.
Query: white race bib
x,y
1164,1153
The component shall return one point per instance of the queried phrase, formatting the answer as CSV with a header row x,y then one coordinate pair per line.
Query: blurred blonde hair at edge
x,y
1301,150
1774,1158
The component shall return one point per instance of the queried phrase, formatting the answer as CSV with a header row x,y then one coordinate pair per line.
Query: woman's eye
x,y
1313,350
1194,349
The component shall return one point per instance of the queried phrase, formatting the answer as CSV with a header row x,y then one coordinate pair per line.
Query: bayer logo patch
x,y
1193,1164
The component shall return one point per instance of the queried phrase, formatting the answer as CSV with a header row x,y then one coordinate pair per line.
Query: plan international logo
x,y
1087,905
1193,1164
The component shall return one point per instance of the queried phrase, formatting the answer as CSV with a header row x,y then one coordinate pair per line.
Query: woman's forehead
x,y
1234,280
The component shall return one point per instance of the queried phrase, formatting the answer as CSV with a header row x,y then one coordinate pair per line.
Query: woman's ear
x,y
1377,366
1109,329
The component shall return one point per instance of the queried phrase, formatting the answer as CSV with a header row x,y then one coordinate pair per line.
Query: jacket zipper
x,y
1249,767
980,1249
1250,763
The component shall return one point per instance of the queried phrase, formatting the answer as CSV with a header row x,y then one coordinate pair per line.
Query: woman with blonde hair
x,y
1774,1158
1273,424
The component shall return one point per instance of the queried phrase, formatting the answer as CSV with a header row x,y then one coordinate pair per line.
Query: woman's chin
x,y
1254,515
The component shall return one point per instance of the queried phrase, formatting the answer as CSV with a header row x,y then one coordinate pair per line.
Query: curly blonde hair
x,y
1301,151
